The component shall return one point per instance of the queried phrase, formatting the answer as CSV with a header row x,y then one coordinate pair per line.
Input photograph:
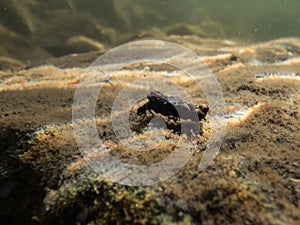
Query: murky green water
x,y
33,29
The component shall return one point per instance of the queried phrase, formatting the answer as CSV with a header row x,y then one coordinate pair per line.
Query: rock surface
x,y
255,179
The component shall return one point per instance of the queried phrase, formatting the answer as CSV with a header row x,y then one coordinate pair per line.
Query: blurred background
x,y
34,30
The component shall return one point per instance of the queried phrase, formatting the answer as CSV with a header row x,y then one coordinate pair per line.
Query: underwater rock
x,y
15,47
17,16
205,29
254,179
84,44
69,25
186,29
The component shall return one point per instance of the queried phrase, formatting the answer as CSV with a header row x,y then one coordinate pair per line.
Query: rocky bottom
x,y
255,178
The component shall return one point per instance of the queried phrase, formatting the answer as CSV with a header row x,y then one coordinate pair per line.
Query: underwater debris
x,y
172,110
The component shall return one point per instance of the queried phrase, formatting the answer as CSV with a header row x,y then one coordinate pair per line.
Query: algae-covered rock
x,y
253,180
56,36
15,48
79,44
205,29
